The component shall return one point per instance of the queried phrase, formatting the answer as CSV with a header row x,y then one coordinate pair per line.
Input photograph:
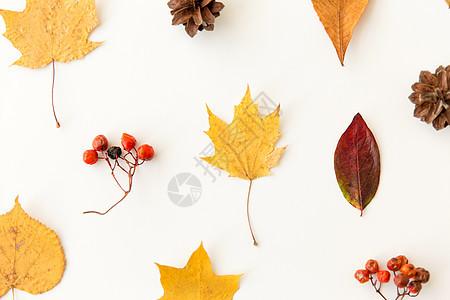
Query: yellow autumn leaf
x,y
31,256
245,148
50,30
448,2
339,17
197,281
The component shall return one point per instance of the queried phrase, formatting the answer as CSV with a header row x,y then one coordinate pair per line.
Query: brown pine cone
x,y
432,97
195,15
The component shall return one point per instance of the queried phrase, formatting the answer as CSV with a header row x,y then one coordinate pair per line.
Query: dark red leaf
x,y
357,164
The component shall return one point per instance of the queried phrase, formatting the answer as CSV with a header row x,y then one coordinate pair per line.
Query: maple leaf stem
x,y
12,289
53,88
255,243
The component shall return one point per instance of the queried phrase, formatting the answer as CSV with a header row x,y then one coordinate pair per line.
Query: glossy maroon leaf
x,y
357,164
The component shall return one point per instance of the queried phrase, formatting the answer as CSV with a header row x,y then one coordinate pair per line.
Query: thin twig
x,y
248,215
131,170
53,88
374,283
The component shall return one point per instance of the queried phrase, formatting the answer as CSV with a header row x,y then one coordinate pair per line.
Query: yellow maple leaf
x,y
339,17
31,256
245,148
448,2
51,30
197,281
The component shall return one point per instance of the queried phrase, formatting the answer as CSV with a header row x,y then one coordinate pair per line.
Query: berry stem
x,y
255,243
112,170
377,289
130,172
53,88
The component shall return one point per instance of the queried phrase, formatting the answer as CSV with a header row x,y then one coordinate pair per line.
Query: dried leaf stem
x,y
131,169
255,243
53,88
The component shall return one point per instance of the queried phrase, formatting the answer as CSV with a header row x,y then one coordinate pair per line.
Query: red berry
x,y
90,157
401,280
362,276
145,152
402,259
422,275
415,287
100,143
383,276
128,141
372,266
408,269
393,264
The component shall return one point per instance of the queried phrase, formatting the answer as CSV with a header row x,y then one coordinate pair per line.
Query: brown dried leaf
x,y
339,17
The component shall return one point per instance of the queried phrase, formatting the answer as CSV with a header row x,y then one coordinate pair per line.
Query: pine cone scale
x,y
428,78
423,112
204,3
208,17
181,18
422,88
197,17
442,79
173,4
191,28
217,7
180,9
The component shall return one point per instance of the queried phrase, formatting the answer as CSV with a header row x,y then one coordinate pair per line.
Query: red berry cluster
x,y
407,278
126,160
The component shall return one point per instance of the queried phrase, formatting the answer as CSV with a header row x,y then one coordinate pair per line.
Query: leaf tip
x,y
276,112
208,110
358,117
201,246
247,93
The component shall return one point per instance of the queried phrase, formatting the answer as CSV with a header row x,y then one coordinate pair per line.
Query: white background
x,y
151,80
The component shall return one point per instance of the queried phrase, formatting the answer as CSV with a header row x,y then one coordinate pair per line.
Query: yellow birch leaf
x,y
31,256
51,30
245,148
197,281
339,17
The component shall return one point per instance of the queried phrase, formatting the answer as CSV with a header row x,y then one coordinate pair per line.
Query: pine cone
x,y
432,97
195,15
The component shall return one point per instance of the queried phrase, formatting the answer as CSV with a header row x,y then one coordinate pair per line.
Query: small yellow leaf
x,y
31,257
50,30
245,148
339,17
448,2
197,281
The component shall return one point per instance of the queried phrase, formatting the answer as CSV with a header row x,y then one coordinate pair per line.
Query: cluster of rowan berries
x,y
100,144
407,278
126,161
